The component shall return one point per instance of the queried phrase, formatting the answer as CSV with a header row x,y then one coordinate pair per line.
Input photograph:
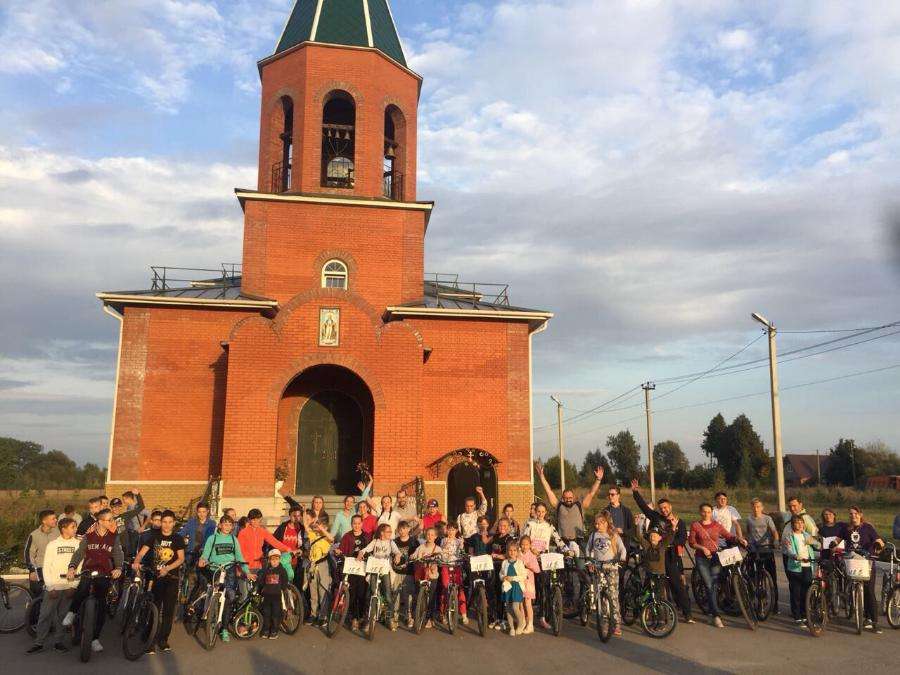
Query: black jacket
x,y
675,540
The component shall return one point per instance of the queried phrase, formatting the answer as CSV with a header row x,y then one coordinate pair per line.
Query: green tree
x,y
748,461
842,460
92,476
880,460
668,461
591,461
715,440
625,455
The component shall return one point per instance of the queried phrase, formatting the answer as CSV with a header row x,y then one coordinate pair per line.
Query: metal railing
x,y
281,177
228,275
449,287
392,185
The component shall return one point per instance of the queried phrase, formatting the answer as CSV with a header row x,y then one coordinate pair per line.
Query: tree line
x,y
735,455
25,465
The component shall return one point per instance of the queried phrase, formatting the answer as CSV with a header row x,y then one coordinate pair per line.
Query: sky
x,y
651,172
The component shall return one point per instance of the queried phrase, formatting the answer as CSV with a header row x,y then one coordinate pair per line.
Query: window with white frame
x,y
334,274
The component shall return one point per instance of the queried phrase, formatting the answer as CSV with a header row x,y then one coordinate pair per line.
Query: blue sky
x,y
650,171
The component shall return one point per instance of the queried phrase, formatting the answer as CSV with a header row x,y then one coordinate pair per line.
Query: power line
x,y
842,330
592,410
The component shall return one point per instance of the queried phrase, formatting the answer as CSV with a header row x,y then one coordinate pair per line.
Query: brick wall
x,y
175,496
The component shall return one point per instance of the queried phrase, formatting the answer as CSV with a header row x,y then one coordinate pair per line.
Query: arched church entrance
x,y
475,470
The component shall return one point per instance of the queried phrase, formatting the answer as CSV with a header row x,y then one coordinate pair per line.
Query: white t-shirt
x,y
726,517
391,517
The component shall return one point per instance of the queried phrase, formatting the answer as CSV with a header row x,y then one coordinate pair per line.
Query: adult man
x,y
89,517
99,551
569,512
341,524
406,509
34,550
675,534
727,516
761,532
621,514
124,517
195,531
168,555
57,591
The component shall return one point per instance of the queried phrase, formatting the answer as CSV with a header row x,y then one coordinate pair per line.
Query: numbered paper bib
x,y
730,556
355,567
481,563
552,561
857,568
378,566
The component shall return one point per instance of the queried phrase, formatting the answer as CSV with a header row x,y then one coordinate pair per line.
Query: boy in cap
x,y
271,583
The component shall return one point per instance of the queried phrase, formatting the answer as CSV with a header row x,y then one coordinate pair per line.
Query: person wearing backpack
x,y
222,548
569,510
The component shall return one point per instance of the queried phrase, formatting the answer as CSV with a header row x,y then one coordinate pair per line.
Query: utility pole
x,y
648,387
776,409
818,469
559,432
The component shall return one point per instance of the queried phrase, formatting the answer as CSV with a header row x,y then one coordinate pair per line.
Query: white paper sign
x,y
481,563
378,566
730,556
354,567
552,561
828,541
858,568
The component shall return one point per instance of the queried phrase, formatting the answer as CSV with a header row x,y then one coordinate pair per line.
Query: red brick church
x,y
328,351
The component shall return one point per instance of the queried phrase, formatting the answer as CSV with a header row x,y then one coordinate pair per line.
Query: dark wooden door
x,y
461,483
330,444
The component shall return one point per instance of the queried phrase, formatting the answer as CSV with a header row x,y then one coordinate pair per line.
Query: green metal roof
x,y
358,23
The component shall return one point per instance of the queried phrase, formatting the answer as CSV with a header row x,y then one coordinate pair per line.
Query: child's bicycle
x,y
553,565
481,570
340,599
376,568
450,611
658,615
425,594
246,620
597,598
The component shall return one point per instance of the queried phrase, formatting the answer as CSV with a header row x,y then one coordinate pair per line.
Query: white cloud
x,y
736,40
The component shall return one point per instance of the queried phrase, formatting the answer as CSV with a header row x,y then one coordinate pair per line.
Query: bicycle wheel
x,y
34,613
886,588
574,589
210,623
893,609
193,615
338,612
423,600
246,623
700,591
14,608
112,599
604,616
452,608
481,610
141,630
584,616
858,607
816,610
88,621
742,598
372,617
293,615
556,610
764,598
628,603
658,618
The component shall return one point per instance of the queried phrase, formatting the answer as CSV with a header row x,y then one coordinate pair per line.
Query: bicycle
x,y
207,610
633,580
732,592
425,594
552,605
246,620
759,581
15,602
450,613
376,568
482,572
86,617
340,599
658,615
140,627
293,610
890,589
597,598
858,570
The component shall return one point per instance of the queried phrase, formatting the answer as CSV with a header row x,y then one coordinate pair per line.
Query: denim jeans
x,y
710,569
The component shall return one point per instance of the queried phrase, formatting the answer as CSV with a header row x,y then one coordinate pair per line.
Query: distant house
x,y
889,482
802,470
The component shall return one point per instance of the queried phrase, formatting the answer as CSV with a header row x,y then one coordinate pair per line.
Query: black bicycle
x,y
553,565
425,593
15,602
477,595
86,617
759,582
140,627
732,589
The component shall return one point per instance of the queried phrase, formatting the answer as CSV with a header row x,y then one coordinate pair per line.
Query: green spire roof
x,y
358,23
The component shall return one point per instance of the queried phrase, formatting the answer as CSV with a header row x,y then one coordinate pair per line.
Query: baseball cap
x,y
432,502
115,502
274,553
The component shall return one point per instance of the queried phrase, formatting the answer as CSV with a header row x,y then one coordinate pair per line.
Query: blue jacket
x,y
187,531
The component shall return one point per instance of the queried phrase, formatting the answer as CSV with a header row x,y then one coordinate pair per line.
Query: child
x,y
319,575
467,522
57,591
542,534
425,550
606,548
499,546
383,547
370,521
387,513
271,583
514,575
532,567
482,543
452,548
441,527
402,583
220,549
352,543
799,549
432,515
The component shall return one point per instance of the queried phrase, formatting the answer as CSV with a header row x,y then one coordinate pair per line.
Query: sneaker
x,y
504,626
875,629
354,624
464,620
717,622
497,625
60,648
392,625
96,646
225,636
617,632
544,624
512,630
410,623
689,619
429,624
69,619
273,636
165,647
34,649
151,650
310,620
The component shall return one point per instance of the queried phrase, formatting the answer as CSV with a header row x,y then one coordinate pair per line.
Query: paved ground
x,y
777,646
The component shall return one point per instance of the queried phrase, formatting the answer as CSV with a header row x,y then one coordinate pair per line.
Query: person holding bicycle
x,y
99,551
704,538
675,538
427,549
761,532
860,537
800,550
351,544
606,548
402,577
482,543
168,555
384,547
319,573
222,549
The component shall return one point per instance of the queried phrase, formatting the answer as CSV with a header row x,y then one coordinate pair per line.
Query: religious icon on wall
x,y
329,327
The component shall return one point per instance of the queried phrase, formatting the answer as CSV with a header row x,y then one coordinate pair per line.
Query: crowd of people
x,y
120,535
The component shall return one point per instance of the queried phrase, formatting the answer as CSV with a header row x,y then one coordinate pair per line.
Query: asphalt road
x,y
778,645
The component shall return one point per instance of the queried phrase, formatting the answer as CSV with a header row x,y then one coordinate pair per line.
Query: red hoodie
x,y
252,539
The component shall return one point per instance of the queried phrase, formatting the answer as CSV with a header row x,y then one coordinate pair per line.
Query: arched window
x,y
338,140
394,130
334,274
284,127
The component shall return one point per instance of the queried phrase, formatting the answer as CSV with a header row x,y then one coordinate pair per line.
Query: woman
x,y
704,538
799,547
861,538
